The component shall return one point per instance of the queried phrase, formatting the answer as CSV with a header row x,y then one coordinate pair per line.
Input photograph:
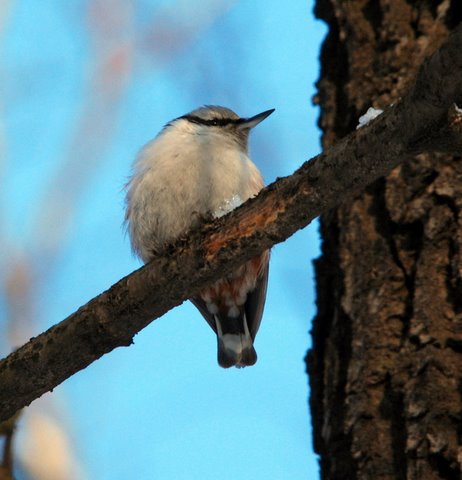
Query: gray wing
x,y
256,303
202,307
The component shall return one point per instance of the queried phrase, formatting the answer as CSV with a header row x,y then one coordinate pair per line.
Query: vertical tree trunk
x,y
386,363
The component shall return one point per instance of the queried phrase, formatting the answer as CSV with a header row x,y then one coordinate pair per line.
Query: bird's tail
x,y
235,344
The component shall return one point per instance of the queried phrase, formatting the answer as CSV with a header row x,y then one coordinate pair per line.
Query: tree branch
x,y
423,120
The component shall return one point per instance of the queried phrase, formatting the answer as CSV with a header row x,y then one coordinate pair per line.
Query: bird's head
x,y
216,120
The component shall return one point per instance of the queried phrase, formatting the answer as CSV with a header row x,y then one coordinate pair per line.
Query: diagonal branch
x,y
423,120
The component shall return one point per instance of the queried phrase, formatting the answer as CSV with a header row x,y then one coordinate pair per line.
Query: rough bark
x,y
114,317
385,367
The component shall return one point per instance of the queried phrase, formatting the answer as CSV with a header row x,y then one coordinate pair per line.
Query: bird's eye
x,y
214,123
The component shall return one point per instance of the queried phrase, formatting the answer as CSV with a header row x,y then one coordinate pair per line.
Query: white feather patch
x,y
233,342
228,205
233,312
212,308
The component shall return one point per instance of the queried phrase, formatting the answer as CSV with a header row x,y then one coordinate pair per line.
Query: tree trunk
x,y
386,363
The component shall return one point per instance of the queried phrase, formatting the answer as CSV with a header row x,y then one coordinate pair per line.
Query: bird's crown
x,y
212,115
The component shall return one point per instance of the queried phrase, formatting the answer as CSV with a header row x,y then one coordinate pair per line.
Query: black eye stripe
x,y
215,122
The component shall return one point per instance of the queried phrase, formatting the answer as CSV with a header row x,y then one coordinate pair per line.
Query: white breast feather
x,y
181,177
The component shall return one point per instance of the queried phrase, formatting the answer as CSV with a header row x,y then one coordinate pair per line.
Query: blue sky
x,y
84,86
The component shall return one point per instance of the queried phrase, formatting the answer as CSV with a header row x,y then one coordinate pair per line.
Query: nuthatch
x,y
198,166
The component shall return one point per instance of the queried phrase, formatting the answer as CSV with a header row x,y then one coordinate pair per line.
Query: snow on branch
x,y
424,120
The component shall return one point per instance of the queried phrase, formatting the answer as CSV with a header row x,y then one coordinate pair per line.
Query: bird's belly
x,y
178,191
199,191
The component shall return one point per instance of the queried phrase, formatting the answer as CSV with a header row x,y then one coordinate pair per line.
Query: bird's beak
x,y
247,123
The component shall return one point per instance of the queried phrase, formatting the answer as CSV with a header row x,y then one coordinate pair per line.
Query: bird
x,y
198,167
